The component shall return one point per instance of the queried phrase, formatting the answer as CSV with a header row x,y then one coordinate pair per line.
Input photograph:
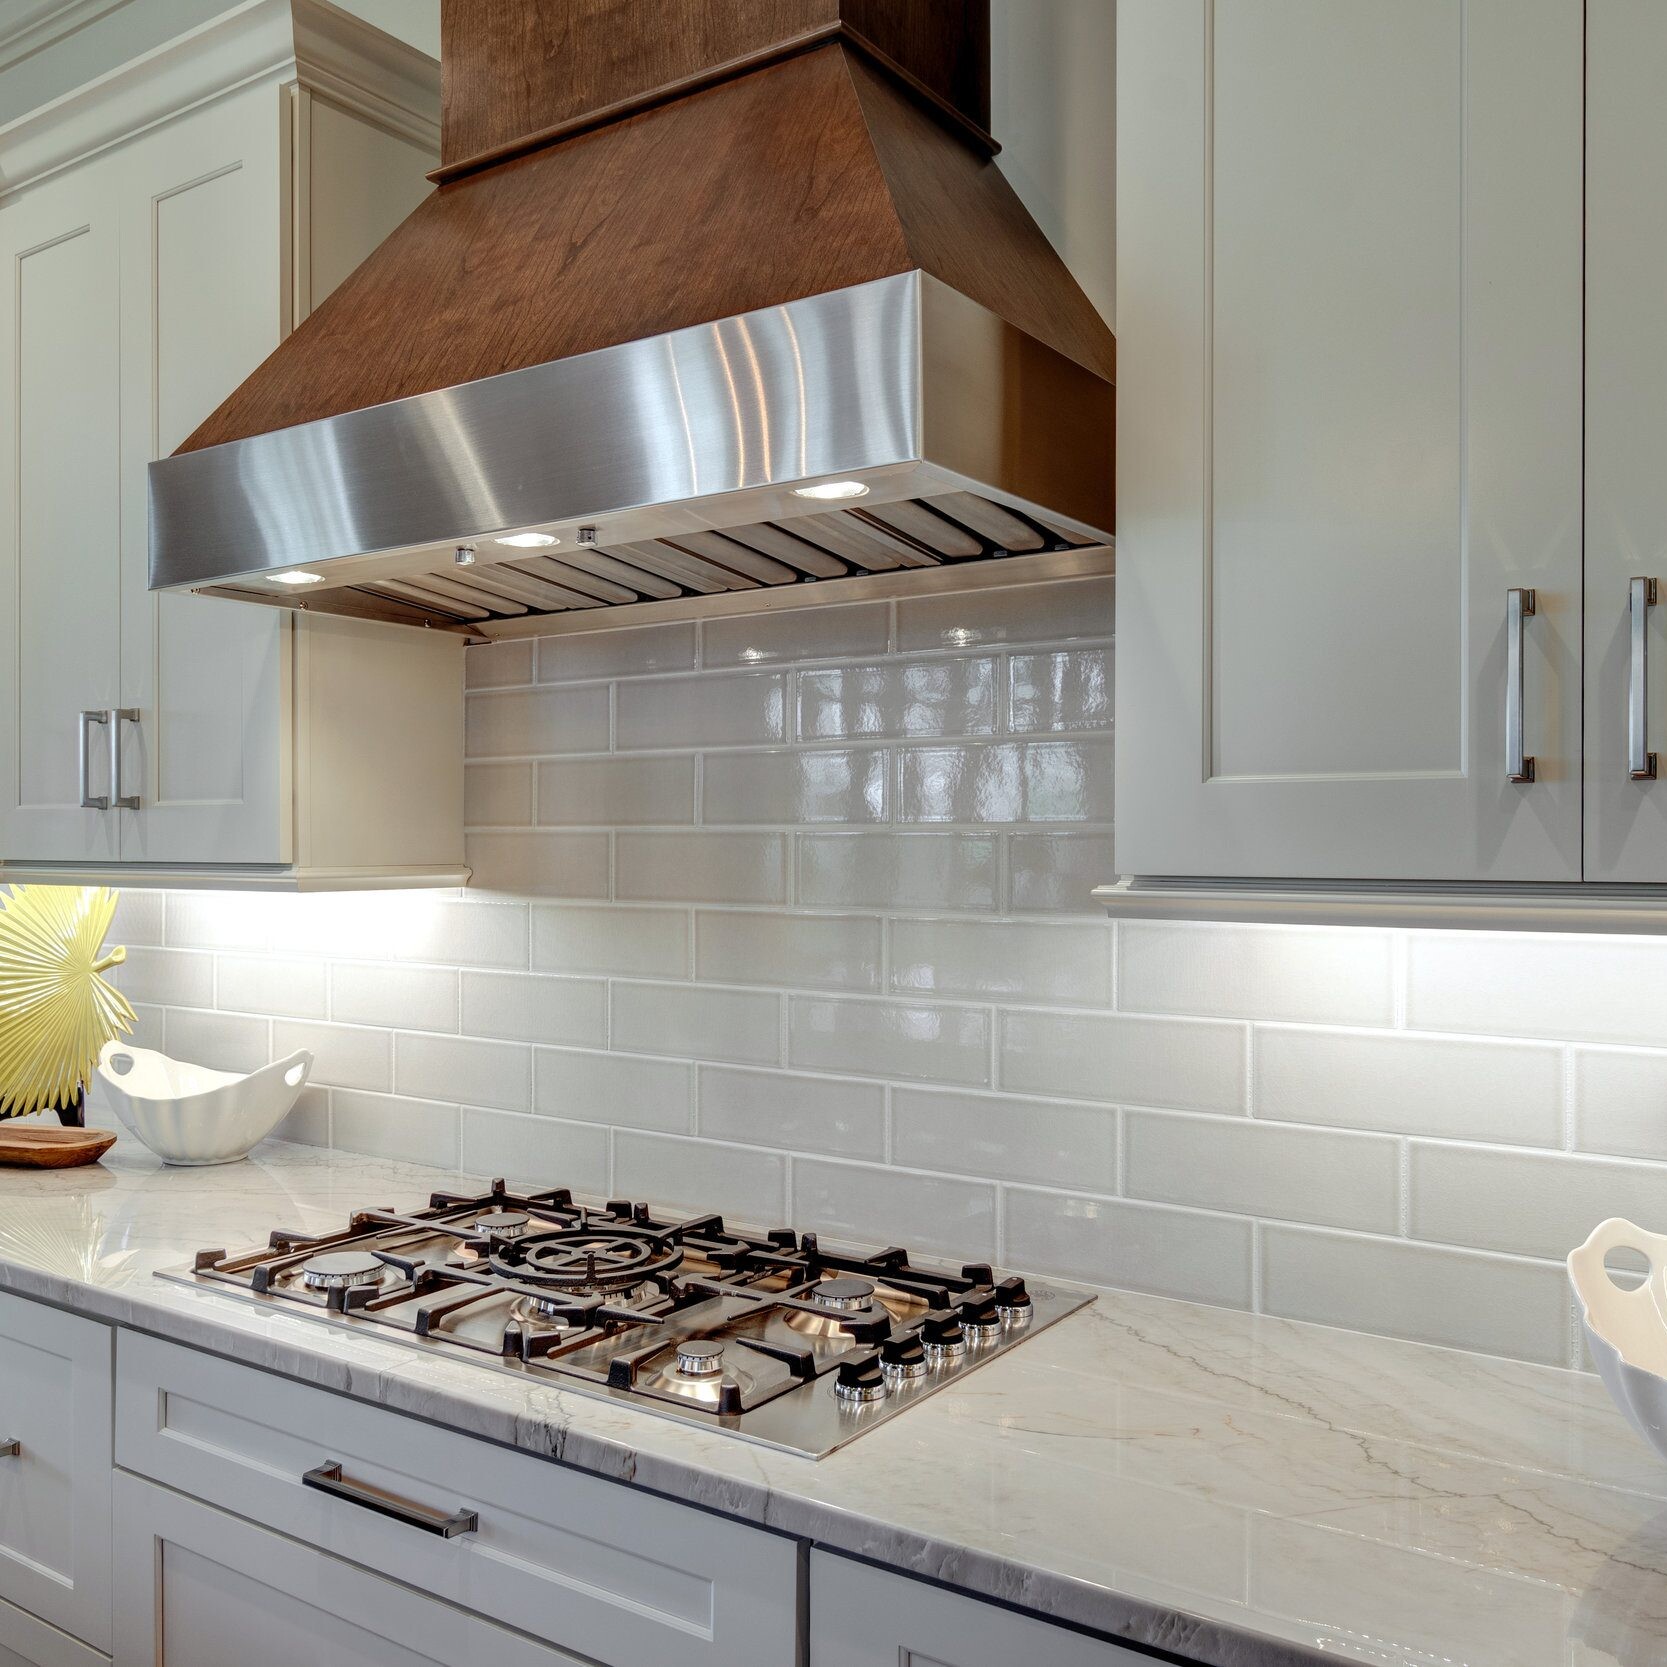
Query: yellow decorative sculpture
x,y
56,1012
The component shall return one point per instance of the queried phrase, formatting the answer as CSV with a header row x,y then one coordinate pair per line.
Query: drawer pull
x,y
1640,761
10,1449
327,1478
1519,765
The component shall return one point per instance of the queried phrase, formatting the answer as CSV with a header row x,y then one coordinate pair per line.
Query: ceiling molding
x,y
308,41
46,21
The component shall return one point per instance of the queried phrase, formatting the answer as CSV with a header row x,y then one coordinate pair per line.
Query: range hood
x,y
710,299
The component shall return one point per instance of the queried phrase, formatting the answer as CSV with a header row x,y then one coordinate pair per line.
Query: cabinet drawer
x,y
26,1642
593,1566
863,1617
198,1588
55,1487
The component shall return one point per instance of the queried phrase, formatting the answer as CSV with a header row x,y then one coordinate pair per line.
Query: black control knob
x,y
903,1357
1012,1299
980,1317
860,1380
943,1336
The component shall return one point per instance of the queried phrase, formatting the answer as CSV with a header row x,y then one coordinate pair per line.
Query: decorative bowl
x,y
190,1115
1625,1327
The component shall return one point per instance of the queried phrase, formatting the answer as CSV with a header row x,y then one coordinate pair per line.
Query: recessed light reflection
x,y
528,541
298,577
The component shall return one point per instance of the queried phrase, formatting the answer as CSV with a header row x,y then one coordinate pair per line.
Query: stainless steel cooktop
x,y
778,1337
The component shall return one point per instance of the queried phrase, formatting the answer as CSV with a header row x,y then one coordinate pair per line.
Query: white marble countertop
x,y
1229,1488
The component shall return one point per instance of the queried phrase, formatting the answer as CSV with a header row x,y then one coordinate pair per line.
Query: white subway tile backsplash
x,y
842,785
394,997
1620,1102
835,952
291,988
700,867
138,918
1315,973
646,943
940,1214
1078,608
749,1187
498,795
1461,1299
531,1007
889,1039
613,1088
825,633
631,651
167,977
1192,1066
1527,1203
898,698
344,1056
393,1126
616,792
1006,781
1266,1170
520,723
1065,690
898,871
1056,872
498,665
529,1151
1143,1247
539,864
714,711
1003,959
464,1070
1410,1084
1046,1141
741,1027
800,1113
223,1041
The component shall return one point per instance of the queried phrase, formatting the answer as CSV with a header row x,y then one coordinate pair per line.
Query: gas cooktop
x,y
777,1337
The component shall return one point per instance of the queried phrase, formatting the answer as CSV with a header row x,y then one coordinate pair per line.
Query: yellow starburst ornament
x,y
56,1011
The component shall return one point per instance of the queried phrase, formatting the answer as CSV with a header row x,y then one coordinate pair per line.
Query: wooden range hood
x,y
687,258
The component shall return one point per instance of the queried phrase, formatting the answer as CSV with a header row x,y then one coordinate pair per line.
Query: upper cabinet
x,y
172,228
1349,431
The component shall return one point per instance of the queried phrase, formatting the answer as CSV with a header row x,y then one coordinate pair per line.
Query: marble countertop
x,y
1230,1488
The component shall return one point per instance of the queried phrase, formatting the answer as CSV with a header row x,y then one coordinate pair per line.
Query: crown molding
x,y
47,21
311,42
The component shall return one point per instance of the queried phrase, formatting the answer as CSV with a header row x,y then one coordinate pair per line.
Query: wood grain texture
x,y
513,68
52,1148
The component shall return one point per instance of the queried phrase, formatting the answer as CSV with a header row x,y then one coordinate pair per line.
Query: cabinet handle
x,y
1640,761
83,762
10,1449
328,1478
119,716
1519,766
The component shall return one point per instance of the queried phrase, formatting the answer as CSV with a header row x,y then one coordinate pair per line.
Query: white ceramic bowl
x,y
1626,1328
192,1116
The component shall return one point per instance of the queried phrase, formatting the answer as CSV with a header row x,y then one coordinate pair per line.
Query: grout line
x,y
1404,1188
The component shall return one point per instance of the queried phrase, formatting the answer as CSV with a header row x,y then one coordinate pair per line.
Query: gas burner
x,y
846,1293
343,1270
589,1260
568,1310
700,1357
503,1224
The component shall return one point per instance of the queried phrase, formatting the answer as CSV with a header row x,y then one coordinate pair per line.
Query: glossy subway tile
x,y
904,699
849,784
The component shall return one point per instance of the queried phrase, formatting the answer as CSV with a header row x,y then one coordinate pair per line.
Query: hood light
x,y
528,541
298,577
831,490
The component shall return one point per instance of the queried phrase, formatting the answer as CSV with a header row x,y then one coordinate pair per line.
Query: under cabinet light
x,y
832,489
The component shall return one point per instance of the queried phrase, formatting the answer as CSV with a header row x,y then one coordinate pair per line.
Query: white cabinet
x,y
199,1588
1349,429
138,286
55,1435
861,1616
28,1642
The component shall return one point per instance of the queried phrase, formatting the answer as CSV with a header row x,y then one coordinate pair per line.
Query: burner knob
x,y
700,1357
945,1340
861,1380
903,1358
1013,1302
981,1319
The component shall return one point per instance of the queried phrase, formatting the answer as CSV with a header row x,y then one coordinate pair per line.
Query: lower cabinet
x,y
54,1476
26,1641
197,1587
861,1616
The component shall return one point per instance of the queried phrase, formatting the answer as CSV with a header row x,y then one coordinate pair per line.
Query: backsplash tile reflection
x,y
789,914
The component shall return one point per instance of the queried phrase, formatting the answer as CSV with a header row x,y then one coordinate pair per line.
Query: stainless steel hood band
x,y
695,429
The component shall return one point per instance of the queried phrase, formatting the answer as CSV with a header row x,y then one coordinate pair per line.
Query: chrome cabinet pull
x,y
10,1449
328,1478
83,762
1640,761
119,716
1519,766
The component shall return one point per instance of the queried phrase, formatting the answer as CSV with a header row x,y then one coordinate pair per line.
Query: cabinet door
x,y
863,1617
1626,440
1349,331
26,1642
198,1588
60,523
202,297
55,1371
